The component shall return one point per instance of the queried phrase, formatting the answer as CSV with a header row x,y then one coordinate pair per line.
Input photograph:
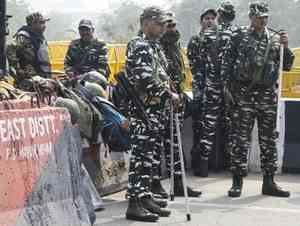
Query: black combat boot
x,y
161,202
157,189
237,185
271,188
136,212
149,204
202,168
179,190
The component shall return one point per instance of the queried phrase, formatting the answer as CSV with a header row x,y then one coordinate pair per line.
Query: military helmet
x,y
259,9
95,77
72,107
95,89
227,8
35,17
154,13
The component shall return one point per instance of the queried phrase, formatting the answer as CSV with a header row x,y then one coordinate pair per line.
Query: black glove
x,y
228,97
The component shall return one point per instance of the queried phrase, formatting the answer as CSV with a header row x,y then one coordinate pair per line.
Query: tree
x,y
19,10
122,24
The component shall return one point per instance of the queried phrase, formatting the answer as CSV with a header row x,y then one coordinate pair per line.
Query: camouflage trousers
x,y
261,105
146,147
228,133
212,107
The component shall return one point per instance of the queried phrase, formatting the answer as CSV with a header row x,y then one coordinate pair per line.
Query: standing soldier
x,y
145,73
226,15
207,20
254,89
207,53
32,57
88,56
170,43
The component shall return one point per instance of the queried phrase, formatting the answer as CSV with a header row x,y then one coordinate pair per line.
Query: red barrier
x,y
27,139
25,103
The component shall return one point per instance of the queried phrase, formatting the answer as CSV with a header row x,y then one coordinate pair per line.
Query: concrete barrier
x,y
109,171
40,173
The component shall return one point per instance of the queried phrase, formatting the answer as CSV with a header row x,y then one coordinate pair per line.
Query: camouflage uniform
x,y
207,53
254,90
83,57
32,57
175,69
145,74
95,57
226,13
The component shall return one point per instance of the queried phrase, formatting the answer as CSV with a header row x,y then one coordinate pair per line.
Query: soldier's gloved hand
x,y
175,99
174,96
228,97
284,39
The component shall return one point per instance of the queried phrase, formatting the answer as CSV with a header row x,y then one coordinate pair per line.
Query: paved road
x,y
214,208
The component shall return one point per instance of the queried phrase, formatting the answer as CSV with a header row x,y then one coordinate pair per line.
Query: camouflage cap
x,y
227,7
86,23
154,13
35,17
171,19
95,89
207,11
259,9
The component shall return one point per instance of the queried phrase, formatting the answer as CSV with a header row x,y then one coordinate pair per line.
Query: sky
x,y
84,5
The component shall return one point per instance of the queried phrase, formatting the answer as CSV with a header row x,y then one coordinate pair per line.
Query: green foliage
x,y
121,24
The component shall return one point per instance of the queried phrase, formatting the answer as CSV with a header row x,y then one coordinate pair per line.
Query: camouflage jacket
x,y
146,69
85,57
171,46
208,53
30,55
249,49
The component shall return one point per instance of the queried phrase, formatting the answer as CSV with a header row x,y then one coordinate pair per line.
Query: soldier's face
x,y
39,26
259,23
208,21
154,29
171,27
86,34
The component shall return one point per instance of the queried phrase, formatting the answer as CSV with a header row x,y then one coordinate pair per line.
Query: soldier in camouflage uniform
x,y
31,51
207,53
170,43
148,76
226,15
87,56
256,61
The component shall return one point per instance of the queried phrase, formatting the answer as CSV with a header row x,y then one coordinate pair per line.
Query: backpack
x,y
115,127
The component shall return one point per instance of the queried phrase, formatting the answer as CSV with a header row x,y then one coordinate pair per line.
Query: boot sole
x,y
189,195
234,195
144,219
276,195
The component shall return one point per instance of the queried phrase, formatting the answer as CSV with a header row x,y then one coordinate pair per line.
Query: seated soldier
x,y
32,57
87,56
